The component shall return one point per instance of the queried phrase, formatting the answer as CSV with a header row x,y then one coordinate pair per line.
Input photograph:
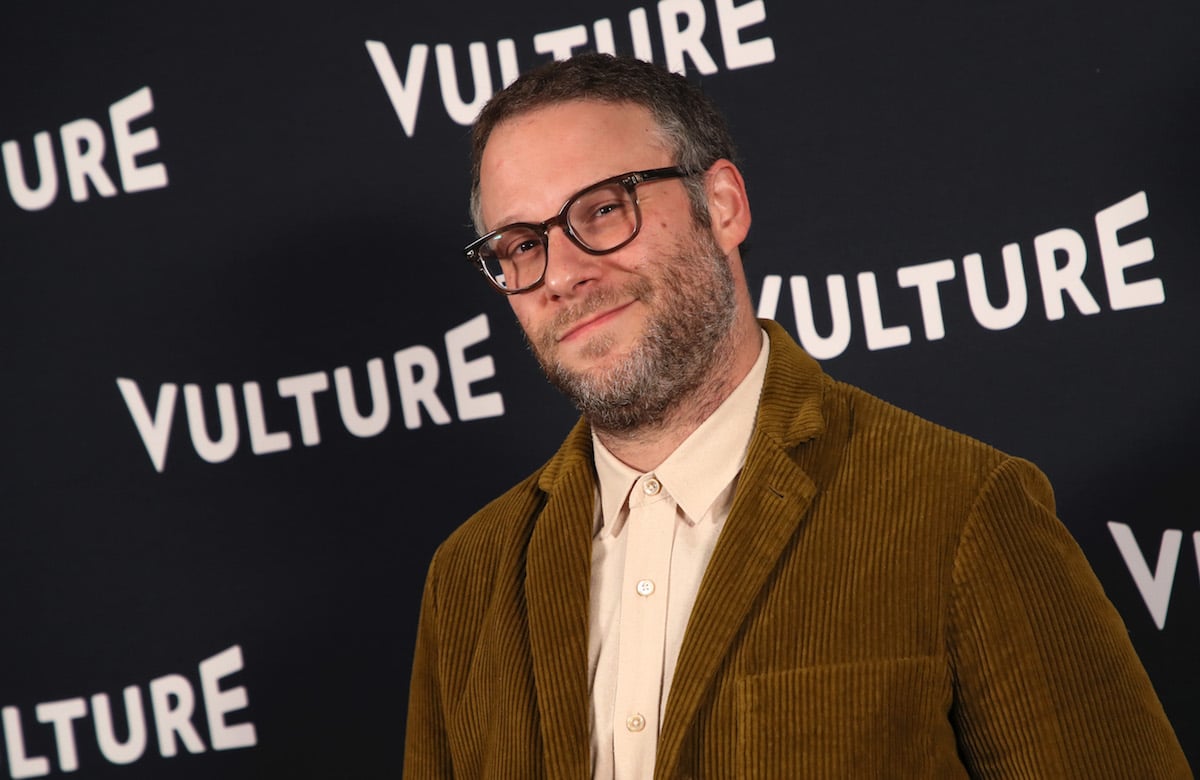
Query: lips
x,y
586,322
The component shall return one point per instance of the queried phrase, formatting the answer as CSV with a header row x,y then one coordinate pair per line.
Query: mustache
x,y
566,319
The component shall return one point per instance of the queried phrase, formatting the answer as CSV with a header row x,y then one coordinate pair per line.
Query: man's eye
x,y
603,211
517,248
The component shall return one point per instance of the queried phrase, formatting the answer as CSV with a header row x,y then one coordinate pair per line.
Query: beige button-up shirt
x,y
654,535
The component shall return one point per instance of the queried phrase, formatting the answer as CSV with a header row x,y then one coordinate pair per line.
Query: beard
x,y
692,312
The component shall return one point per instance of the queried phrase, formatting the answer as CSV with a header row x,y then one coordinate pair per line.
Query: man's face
x,y
627,333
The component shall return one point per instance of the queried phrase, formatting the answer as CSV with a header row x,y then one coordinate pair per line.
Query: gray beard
x,y
682,348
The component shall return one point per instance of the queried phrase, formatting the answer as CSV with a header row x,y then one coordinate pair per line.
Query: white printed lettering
x,y
111,748
679,40
418,371
173,701
155,431
930,279
768,296
381,410
464,373
130,145
405,95
417,391
639,31
732,20
926,279
60,714
262,441
1116,257
219,703
878,335
226,444
173,704
1067,278
822,347
602,31
83,151
985,313
561,43
1155,588
682,24
506,50
303,388
459,110
29,198
20,764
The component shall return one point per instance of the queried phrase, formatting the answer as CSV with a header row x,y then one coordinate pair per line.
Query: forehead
x,y
536,160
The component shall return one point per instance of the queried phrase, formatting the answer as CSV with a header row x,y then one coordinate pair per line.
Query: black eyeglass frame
x,y
629,181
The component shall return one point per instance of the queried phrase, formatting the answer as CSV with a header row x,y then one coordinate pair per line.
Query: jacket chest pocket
x,y
871,719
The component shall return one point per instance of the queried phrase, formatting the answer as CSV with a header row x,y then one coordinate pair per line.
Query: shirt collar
x,y
700,467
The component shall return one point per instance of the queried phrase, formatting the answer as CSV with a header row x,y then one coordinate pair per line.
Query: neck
x,y
645,447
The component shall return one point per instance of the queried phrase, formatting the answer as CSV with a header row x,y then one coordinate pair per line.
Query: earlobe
x,y
728,204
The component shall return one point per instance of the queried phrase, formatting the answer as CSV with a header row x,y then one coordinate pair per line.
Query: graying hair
x,y
692,128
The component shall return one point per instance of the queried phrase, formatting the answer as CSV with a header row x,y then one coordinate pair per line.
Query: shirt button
x,y
651,487
635,722
645,587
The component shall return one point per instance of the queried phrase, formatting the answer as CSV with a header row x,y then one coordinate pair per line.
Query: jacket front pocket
x,y
869,719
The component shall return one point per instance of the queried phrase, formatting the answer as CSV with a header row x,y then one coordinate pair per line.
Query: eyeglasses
x,y
599,219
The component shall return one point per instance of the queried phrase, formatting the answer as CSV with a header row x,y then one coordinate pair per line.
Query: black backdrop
x,y
230,196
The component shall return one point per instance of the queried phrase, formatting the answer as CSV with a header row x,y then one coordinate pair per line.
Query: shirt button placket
x,y
650,528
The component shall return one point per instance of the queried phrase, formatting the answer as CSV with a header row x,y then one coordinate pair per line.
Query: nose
x,y
568,268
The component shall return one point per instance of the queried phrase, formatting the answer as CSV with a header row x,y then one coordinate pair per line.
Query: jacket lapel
x,y
558,577
774,492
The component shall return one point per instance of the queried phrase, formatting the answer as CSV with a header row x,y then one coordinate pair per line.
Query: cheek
x,y
637,264
645,254
525,314
660,249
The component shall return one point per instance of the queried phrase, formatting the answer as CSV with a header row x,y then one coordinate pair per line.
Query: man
x,y
735,566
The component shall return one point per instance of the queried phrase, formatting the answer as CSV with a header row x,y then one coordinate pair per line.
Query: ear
x,y
728,204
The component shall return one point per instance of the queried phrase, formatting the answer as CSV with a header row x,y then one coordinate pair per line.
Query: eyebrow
x,y
511,220
502,223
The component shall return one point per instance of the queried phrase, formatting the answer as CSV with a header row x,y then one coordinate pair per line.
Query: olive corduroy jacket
x,y
887,599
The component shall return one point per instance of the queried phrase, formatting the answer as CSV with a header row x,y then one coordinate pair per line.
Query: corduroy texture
x,y
888,599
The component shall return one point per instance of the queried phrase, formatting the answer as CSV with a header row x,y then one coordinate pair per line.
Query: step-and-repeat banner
x,y
250,383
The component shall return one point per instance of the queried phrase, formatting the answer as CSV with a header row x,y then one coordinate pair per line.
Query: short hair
x,y
692,127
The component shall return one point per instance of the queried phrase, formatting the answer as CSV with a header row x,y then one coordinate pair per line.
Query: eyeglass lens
x,y
598,219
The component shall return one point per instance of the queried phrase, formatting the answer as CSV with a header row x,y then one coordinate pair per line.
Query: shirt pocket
x,y
870,719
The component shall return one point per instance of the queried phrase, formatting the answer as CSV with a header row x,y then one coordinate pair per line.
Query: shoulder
x,y
803,405
916,448
885,470
478,546
492,543
873,458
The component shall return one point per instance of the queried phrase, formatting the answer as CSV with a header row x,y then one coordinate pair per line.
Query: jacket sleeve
x,y
1047,683
426,742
